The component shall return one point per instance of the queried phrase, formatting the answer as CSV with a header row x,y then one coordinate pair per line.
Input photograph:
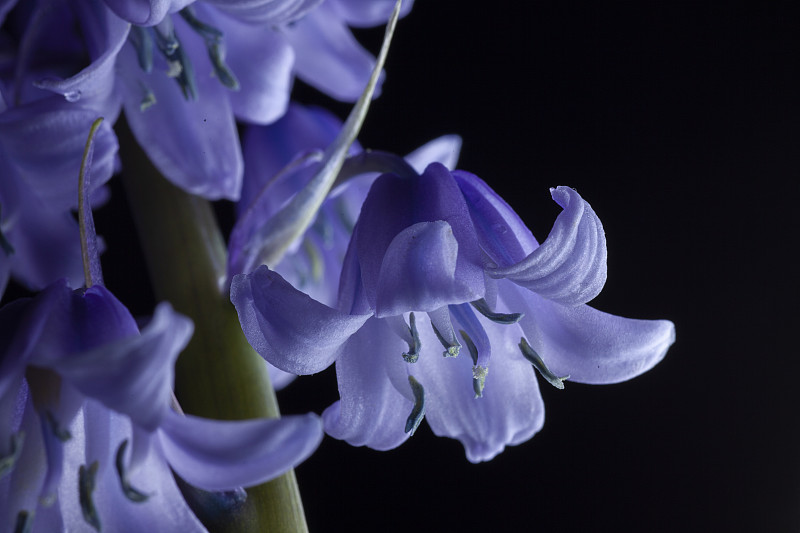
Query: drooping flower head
x,y
438,259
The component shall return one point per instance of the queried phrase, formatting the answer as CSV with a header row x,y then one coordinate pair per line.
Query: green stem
x,y
218,375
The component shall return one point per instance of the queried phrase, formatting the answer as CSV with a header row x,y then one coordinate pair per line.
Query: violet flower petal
x,y
367,13
195,144
371,412
510,411
262,63
132,375
226,454
588,345
288,328
570,265
328,57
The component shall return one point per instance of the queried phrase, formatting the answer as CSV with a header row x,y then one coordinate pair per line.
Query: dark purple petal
x,y
193,143
328,57
570,265
286,327
105,35
372,411
45,141
396,203
588,345
501,233
224,455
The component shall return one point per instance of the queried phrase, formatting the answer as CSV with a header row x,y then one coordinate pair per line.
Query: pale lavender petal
x,y
132,375
372,411
266,12
570,265
444,150
510,411
195,144
418,272
279,378
328,57
262,61
588,345
367,13
224,455
286,327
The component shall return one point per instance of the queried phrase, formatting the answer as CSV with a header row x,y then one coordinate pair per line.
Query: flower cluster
x,y
424,288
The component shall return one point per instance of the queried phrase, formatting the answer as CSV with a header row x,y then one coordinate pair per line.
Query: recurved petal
x,y
588,345
288,328
132,375
372,411
224,455
570,265
329,57
195,144
510,411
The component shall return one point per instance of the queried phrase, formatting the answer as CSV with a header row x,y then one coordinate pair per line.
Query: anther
x,y
86,484
412,355
478,372
24,522
418,411
533,357
142,41
215,45
180,67
450,350
499,318
7,463
148,99
130,492
61,434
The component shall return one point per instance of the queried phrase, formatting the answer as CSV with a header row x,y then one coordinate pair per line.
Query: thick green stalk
x,y
218,375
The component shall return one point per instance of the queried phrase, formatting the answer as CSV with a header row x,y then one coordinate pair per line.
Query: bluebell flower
x,y
89,429
443,244
277,166
184,73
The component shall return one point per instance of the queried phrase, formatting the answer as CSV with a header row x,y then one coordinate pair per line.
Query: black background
x,y
678,122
